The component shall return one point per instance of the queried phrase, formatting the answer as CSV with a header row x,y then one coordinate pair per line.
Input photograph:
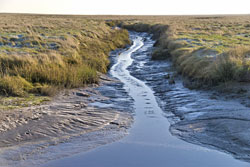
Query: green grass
x,y
7,103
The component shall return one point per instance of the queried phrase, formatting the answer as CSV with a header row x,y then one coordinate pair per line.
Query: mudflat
x,y
68,115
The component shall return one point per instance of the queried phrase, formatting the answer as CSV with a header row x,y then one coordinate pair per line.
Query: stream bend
x,y
149,142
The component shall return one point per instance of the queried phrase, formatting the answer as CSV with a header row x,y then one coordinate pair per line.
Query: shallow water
x,y
149,142
206,118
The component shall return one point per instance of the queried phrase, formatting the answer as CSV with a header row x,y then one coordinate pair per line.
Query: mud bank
x,y
74,121
209,118
149,142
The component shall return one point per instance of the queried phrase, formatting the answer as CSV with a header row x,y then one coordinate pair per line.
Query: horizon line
x,y
71,14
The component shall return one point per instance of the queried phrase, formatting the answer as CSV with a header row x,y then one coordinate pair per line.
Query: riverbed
x,y
169,127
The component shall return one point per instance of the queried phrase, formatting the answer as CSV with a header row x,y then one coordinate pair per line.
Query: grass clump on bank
x,y
40,54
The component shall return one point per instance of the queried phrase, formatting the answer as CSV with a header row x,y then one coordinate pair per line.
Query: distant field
x,y
42,53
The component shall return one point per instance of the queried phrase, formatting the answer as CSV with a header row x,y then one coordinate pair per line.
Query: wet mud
x,y
74,121
173,126
203,117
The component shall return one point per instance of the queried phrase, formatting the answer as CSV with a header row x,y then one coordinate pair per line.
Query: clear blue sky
x,y
157,7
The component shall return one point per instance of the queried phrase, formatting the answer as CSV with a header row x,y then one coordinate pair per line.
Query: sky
x,y
126,7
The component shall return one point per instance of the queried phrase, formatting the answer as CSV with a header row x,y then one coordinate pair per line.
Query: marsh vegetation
x,y
209,50
42,54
